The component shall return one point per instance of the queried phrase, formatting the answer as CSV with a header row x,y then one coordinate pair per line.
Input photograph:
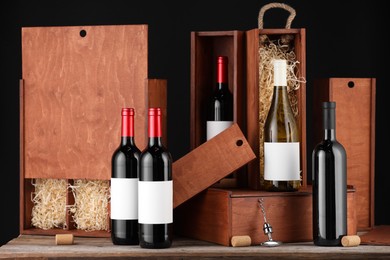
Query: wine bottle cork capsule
x,y
241,241
350,240
64,239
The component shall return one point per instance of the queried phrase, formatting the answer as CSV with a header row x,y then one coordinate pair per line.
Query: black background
x,y
344,39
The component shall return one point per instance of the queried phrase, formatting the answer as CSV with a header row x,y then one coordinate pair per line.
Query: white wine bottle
x,y
281,138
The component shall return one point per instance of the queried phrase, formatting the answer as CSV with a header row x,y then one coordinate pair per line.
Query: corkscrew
x,y
267,228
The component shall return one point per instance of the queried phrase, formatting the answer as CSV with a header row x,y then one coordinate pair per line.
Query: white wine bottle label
x,y
216,127
155,202
281,161
124,198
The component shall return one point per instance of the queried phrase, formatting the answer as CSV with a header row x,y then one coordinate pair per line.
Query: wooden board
x,y
74,88
43,247
355,130
210,162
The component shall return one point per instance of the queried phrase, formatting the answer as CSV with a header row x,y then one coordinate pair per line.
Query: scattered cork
x,y
350,241
64,239
241,241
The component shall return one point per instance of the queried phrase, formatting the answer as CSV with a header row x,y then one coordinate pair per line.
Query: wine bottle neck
x,y
127,141
222,70
330,134
127,123
280,95
154,141
280,73
329,122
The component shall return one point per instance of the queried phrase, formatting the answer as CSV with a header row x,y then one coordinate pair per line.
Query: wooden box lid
x,y
75,81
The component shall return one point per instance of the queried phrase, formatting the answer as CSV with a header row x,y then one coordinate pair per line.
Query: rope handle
x,y
277,5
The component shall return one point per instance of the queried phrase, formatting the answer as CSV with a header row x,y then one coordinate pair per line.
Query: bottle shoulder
x,y
330,146
156,151
127,151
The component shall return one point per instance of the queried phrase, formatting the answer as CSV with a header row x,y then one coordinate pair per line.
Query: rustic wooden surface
x,y
44,247
355,129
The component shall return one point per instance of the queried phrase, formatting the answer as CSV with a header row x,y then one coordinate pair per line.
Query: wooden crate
x,y
205,47
252,97
216,215
355,129
75,81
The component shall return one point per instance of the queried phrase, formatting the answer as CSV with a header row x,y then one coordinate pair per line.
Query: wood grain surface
x,y
74,89
43,247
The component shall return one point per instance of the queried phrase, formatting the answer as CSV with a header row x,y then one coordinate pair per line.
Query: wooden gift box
x,y
216,224
216,215
355,130
75,81
205,47
252,97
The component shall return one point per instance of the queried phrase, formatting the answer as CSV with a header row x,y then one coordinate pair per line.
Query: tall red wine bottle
x,y
220,115
155,197
124,185
329,162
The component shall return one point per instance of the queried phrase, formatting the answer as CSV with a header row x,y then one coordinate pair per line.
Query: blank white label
x,y
155,202
281,161
216,127
124,198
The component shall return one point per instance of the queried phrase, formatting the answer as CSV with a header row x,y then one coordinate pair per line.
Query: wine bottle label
x,y
216,127
281,161
155,202
124,198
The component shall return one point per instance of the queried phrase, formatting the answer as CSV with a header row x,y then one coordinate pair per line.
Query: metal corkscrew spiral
x,y
267,228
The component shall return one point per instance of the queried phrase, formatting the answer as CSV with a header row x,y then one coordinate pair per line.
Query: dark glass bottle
x,y
124,185
329,162
155,204
220,115
281,138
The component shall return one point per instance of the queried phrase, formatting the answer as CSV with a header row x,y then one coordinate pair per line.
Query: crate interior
x,y
205,48
71,227
254,41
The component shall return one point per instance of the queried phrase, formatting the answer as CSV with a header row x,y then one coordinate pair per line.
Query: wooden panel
x,y
252,61
207,217
355,129
290,216
157,97
210,162
74,89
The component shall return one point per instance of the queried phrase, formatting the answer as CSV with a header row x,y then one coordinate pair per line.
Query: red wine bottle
x,y
221,108
155,197
329,162
124,185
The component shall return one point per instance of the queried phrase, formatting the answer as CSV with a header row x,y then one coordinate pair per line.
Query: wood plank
x,y
74,89
43,247
157,93
210,162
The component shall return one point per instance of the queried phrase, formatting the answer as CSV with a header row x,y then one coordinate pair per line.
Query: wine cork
x,y
241,241
64,239
350,240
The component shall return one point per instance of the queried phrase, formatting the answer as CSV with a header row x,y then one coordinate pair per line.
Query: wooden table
x,y
43,247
